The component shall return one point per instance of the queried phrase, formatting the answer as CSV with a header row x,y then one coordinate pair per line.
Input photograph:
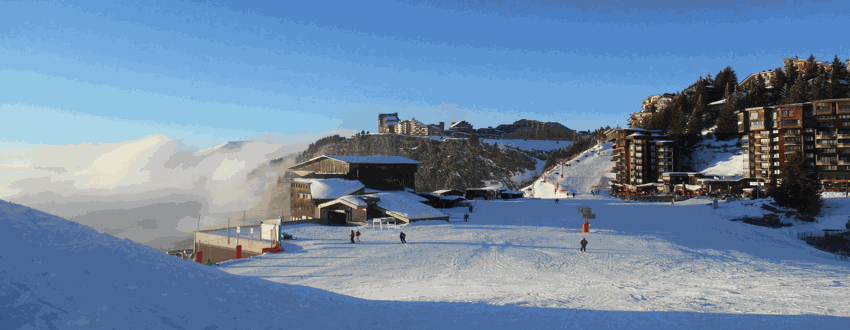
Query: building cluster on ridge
x,y
390,123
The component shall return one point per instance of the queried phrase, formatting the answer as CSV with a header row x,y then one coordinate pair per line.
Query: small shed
x,y
346,209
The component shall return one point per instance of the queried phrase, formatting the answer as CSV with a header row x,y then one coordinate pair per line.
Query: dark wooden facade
x,y
380,176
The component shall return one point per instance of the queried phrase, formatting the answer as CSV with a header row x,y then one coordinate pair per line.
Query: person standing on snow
x,y
357,234
465,217
574,195
556,201
402,236
583,244
352,237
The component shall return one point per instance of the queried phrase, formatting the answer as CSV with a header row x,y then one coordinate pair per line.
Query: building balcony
x,y
827,162
821,136
823,146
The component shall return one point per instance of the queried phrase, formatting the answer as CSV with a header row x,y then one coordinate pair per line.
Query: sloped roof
x,y
331,188
460,123
402,205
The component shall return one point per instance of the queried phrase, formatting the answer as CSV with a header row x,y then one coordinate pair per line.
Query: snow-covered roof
x,y
512,192
331,188
636,134
399,203
353,200
443,191
373,159
718,102
460,123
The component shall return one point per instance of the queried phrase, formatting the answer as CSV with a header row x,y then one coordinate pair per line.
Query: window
x,y
765,157
792,140
787,113
807,113
845,123
824,108
775,171
844,107
830,167
764,141
810,138
775,163
764,149
844,116
825,117
757,124
764,165
828,124
810,130
810,155
754,115
792,148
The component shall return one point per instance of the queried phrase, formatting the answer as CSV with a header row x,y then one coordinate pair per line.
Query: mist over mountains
x,y
151,190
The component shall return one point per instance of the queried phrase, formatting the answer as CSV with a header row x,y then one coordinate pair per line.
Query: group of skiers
x,y
355,236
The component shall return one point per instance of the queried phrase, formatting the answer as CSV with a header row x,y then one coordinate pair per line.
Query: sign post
x,y
585,213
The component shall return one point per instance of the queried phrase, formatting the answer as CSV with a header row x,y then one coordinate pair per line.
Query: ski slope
x,y
588,169
515,264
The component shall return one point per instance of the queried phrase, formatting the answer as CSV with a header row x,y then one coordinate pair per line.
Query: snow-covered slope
x,y
515,264
588,169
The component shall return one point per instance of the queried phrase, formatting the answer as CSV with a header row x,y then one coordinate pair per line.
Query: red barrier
x,y
200,257
239,252
585,227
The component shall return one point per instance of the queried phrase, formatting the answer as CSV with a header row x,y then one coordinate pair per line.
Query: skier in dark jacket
x,y
466,217
583,244
556,201
402,236
357,235
352,237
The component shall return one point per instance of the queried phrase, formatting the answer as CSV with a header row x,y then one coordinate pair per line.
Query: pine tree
x,y
679,111
698,117
819,89
811,68
798,91
799,185
723,78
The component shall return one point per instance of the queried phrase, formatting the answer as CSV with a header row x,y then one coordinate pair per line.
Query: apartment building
x,y
818,130
641,156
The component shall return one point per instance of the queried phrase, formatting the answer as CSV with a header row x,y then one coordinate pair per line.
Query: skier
x,y
402,236
556,201
357,234
583,244
847,225
470,209
465,217
574,195
673,201
352,237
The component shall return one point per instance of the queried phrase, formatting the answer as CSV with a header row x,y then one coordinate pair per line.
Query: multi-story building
x,y
818,131
641,156
387,122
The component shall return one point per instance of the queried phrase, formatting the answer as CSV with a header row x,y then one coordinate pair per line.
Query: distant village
x,y
390,123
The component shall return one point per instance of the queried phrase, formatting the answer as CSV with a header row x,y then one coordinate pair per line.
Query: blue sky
x,y
292,71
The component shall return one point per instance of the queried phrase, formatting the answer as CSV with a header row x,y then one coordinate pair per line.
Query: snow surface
x,y
410,208
515,264
331,188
